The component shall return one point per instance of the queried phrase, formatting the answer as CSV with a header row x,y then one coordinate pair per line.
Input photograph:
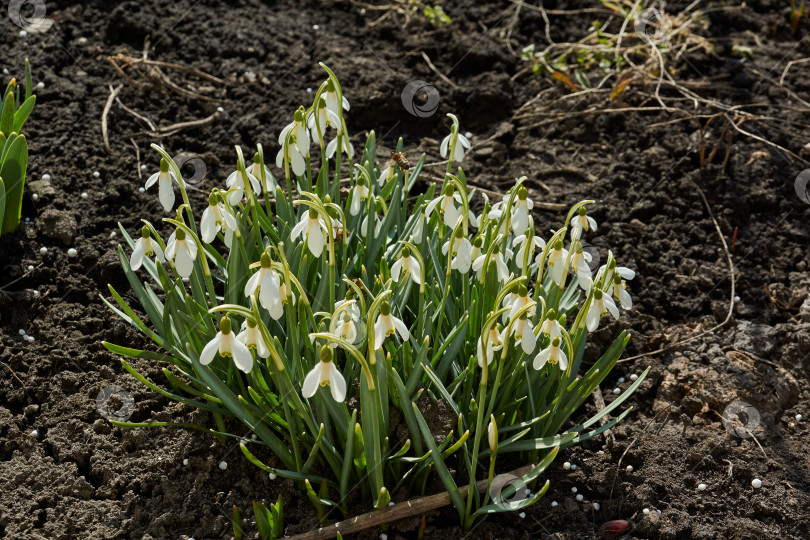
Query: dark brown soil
x,y
81,478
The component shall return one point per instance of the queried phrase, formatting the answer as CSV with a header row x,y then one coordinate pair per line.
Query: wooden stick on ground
x,y
107,106
399,511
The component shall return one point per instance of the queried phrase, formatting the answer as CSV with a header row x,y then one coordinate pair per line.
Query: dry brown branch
x,y
113,93
181,126
437,72
399,511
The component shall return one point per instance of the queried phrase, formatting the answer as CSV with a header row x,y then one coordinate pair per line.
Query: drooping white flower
x,y
313,230
520,242
517,301
298,145
359,194
551,355
551,326
582,222
494,343
268,285
377,222
332,101
475,252
579,264
387,173
473,220
461,144
326,118
325,373
182,251
343,326
164,178
500,264
256,172
601,305
348,305
226,343
524,333
408,264
214,218
618,290
556,262
388,324
448,207
418,229
623,271
460,252
252,338
145,247
495,213
520,211
346,145
236,186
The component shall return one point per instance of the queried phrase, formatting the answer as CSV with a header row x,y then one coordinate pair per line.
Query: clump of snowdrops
x,y
312,312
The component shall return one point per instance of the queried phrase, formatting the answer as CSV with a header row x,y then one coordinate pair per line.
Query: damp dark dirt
x,y
81,478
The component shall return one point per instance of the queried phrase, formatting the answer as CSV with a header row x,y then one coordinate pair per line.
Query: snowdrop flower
x,y
551,326
182,251
517,301
331,148
214,218
256,172
494,343
332,99
386,325
418,229
359,194
556,262
236,186
448,208
500,264
579,264
313,230
345,328
582,222
326,118
267,283
601,305
551,355
495,214
520,212
461,144
475,252
387,173
520,242
145,247
298,145
349,306
408,264
618,290
252,338
624,272
492,434
459,252
227,345
325,373
473,220
377,222
522,330
164,179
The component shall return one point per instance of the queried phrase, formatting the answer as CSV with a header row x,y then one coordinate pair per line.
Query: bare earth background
x,y
80,478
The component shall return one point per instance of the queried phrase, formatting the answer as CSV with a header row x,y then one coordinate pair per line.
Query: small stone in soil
x,y
701,487
43,250
617,391
220,110
35,197
573,467
629,468
96,174
566,465
798,418
580,497
35,433
185,461
646,511
272,476
573,489
223,465
46,177
621,380
553,504
756,483
633,377
31,267
72,253
142,190
22,332
522,515
84,195
597,506
40,84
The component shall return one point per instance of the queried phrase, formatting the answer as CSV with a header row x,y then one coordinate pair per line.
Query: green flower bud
x,y
385,308
406,252
180,235
326,354
145,232
267,262
225,325
164,165
313,214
